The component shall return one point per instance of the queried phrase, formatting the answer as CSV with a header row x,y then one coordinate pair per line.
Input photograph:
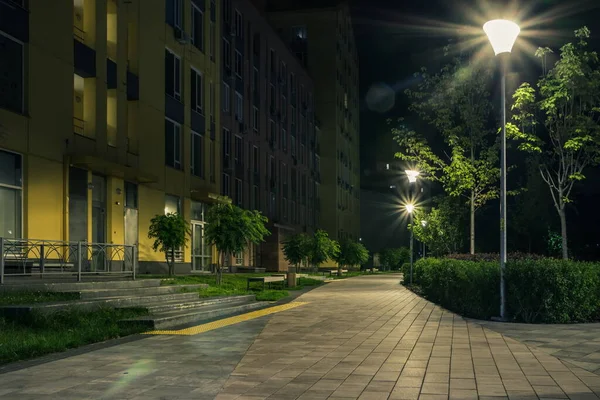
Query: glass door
x,y
201,253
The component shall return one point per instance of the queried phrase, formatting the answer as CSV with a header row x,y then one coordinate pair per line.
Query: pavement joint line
x,y
195,330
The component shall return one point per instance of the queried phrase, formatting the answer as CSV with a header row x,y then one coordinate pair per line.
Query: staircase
x,y
168,306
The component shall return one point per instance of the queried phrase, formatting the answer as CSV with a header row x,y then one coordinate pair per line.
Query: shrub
x,y
494,256
538,290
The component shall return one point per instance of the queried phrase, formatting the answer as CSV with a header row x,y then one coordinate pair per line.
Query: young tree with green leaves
x,y
170,233
560,121
231,230
394,258
437,229
322,248
350,253
455,102
297,249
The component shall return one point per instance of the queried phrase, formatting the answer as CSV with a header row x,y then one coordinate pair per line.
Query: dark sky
x,y
396,38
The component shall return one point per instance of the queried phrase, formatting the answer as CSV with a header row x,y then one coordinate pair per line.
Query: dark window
x,y
174,11
131,195
197,167
227,53
238,150
226,141
11,74
197,36
239,24
172,75
226,188
239,63
238,192
256,159
197,91
172,144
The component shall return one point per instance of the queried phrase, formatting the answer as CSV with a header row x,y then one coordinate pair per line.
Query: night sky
x,y
396,38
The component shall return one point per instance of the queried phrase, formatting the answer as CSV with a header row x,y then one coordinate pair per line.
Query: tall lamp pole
x,y
410,207
502,35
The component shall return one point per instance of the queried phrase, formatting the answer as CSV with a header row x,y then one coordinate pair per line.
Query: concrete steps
x,y
186,304
79,286
88,294
198,311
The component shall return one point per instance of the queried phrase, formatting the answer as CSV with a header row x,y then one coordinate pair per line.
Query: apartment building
x,y
269,137
109,116
320,34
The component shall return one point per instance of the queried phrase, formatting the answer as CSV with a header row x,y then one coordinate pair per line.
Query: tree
x,y
455,102
170,233
322,248
393,259
566,105
350,253
297,249
438,228
231,230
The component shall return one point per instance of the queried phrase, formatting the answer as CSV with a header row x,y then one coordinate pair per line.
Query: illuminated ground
x,y
364,338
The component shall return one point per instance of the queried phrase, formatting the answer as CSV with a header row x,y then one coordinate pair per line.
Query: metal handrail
x,y
28,257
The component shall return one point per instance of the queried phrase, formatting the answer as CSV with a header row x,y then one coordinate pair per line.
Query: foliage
x,y
540,290
271,295
31,297
560,121
455,102
392,259
231,229
554,243
297,249
493,257
350,253
40,334
439,228
322,248
169,233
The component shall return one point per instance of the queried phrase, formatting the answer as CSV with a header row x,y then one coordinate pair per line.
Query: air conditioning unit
x,y
180,35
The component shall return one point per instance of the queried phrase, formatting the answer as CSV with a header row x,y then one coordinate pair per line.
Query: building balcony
x,y
78,126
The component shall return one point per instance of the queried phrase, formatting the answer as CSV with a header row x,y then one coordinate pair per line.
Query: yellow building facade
x,y
108,116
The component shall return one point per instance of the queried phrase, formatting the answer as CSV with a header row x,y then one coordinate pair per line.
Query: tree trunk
x,y
339,270
472,231
172,263
563,231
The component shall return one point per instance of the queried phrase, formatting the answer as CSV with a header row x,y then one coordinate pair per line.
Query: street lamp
x,y
410,207
412,175
502,35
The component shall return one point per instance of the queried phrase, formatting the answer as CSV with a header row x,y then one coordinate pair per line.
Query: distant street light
x,y
502,35
410,207
412,175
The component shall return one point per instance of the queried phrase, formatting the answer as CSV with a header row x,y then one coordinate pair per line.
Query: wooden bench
x,y
335,271
372,270
265,280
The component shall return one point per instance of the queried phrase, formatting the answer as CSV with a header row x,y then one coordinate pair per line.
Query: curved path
x,y
360,338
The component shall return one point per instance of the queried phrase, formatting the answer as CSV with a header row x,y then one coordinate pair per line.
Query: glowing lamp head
x,y
409,208
412,175
502,34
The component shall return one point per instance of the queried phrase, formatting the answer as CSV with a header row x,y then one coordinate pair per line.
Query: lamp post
x,y
410,207
424,225
502,35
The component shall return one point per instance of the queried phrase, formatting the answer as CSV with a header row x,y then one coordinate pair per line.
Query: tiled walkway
x,y
363,338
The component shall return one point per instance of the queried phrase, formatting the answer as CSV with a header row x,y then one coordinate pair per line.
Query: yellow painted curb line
x,y
194,330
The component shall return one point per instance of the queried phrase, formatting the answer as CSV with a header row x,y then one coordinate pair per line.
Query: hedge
x,y
538,290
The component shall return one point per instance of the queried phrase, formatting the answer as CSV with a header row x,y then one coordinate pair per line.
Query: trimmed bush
x,y
539,290
494,256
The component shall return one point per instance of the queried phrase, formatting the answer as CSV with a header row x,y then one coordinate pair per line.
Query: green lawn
x,y
39,334
25,297
235,284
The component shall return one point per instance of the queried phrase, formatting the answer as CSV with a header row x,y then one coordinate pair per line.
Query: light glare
x,y
502,34
409,208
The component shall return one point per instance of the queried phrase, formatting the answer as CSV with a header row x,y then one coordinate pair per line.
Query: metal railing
x,y
51,258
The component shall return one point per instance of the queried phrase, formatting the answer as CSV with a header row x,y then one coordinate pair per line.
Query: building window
x,y
255,80
256,159
227,53
226,189
212,160
284,139
172,74
197,154
293,212
283,108
299,32
284,208
197,91
226,97
226,141
239,64
213,39
11,74
255,198
174,12
211,86
172,144
238,149
272,204
238,192
239,24
11,189
293,145
239,107
239,258
255,119
273,133
197,37
172,204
